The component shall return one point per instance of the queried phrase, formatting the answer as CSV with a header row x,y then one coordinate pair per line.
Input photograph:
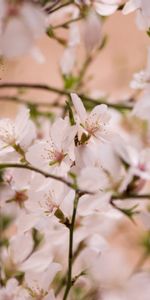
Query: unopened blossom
x,y
143,12
141,80
94,124
68,59
91,31
21,23
16,135
58,150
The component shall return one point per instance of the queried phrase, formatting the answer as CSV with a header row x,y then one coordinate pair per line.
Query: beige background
x,y
124,54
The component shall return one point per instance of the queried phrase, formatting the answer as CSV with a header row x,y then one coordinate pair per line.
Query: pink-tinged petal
x,y
22,120
26,221
68,60
21,179
131,6
39,260
57,132
142,22
27,244
92,31
100,112
97,243
38,154
105,9
28,136
79,107
34,17
92,179
16,39
41,281
50,296
3,8
145,218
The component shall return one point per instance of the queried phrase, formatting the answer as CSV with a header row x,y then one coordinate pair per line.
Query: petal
x,y
92,31
16,39
79,107
100,112
34,18
27,244
131,6
105,9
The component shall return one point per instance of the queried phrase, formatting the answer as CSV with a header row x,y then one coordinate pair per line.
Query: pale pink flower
x,y
143,12
21,25
58,150
18,133
91,31
94,124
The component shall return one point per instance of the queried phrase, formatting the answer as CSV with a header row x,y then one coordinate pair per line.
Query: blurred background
x,y
124,54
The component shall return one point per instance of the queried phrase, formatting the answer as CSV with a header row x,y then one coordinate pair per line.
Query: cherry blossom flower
x,y
58,150
91,31
38,283
13,291
16,135
96,123
143,12
21,24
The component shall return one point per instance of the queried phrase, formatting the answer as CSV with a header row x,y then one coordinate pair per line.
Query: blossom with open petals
x,y
94,124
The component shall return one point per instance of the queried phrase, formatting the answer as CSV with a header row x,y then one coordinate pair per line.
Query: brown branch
x,y
85,99
45,174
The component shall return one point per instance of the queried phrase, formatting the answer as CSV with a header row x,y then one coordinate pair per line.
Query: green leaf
x,y
37,237
148,32
145,242
70,81
5,221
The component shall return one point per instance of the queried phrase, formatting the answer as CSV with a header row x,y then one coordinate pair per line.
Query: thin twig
x,y
70,255
130,196
80,247
45,174
18,100
48,88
